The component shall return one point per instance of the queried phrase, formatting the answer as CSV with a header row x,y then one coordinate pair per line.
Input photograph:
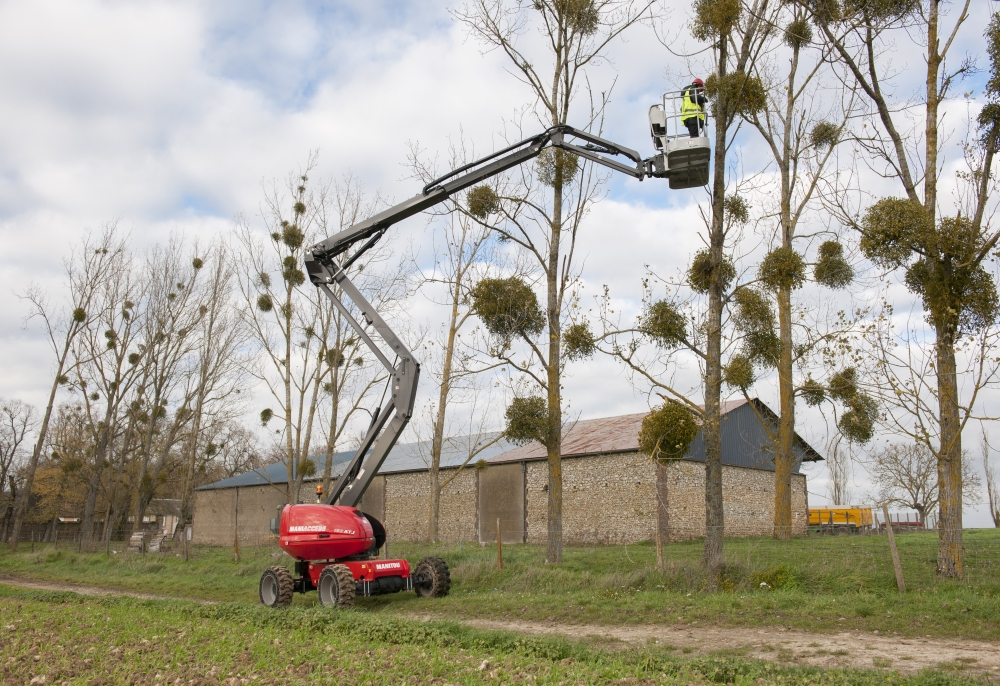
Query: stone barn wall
x,y
612,499
407,506
608,499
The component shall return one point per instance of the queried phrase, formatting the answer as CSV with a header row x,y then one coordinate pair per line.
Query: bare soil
x,y
778,644
781,644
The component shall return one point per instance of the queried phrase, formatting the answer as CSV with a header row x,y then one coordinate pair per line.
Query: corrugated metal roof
x,y
404,457
276,473
744,444
744,441
595,437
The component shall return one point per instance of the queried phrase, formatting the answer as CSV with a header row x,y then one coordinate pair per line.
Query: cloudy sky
x,y
169,117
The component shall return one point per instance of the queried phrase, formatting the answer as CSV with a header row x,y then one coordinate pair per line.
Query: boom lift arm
x,y
324,270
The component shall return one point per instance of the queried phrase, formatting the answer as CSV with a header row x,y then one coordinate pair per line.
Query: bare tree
x,y
992,489
17,421
797,128
465,253
458,265
906,475
675,323
171,379
284,316
87,270
106,370
229,449
943,258
219,362
540,218
838,463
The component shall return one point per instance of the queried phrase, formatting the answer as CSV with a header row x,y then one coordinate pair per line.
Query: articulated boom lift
x,y
336,546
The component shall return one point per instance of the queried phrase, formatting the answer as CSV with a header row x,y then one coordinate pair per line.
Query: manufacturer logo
x,y
388,565
311,527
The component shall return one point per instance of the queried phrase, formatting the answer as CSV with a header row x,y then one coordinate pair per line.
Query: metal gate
x,y
501,496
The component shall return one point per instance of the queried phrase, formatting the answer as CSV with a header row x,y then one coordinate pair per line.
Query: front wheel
x,y
276,587
431,578
336,586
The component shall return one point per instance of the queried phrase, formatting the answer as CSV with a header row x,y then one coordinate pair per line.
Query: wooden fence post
x,y
895,553
499,548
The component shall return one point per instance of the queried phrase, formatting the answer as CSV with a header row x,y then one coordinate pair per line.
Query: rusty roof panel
x,y
594,437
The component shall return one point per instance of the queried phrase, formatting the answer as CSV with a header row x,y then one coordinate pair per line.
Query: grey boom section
x,y
389,421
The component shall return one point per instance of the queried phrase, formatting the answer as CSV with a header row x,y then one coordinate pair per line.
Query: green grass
x,y
76,640
825,584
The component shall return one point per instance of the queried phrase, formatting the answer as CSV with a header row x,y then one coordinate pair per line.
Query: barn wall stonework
x,y
607,499
407,506
612,499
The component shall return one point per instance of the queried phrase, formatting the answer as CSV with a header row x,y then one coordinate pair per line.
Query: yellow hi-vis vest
x,y
689,105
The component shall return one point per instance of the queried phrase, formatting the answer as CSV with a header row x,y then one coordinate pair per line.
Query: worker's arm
x,y
324,271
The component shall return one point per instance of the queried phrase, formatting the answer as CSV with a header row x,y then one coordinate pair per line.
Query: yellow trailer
x,y
841,517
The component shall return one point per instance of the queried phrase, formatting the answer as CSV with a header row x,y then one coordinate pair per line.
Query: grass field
x,y
62,638
824,584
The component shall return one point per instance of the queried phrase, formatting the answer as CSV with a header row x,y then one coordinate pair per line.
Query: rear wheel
x,y
276,587
336,586
433,580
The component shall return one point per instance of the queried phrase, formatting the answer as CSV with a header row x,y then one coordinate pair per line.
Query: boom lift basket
x,y
682,159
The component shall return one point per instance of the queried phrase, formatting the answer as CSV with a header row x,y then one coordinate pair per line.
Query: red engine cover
x,y
324,532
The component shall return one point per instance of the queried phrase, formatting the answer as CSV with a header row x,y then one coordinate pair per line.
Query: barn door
x,y
501,495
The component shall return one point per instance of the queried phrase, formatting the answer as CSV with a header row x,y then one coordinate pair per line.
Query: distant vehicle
x,y
835,520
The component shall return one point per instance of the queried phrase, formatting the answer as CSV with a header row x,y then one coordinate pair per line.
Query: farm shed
x,y
603,473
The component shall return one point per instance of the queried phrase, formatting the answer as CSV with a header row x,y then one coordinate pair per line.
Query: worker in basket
x,y
693,107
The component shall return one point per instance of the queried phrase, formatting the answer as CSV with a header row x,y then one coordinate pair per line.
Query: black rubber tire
x,y
436,570
276,587
336,586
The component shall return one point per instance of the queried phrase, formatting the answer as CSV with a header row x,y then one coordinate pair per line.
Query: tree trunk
x,y
437,441
662,512
950,562
21,504
553,370
187,495
784,457
100,452
331,444
711,427
115,507
89,507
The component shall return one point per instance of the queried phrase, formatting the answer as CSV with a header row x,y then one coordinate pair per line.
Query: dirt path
x,y
41,585
778,644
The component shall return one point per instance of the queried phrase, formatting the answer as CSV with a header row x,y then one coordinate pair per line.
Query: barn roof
x,y
405,457
742,442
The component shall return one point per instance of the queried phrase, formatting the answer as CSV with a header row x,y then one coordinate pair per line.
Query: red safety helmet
x,y
699,82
